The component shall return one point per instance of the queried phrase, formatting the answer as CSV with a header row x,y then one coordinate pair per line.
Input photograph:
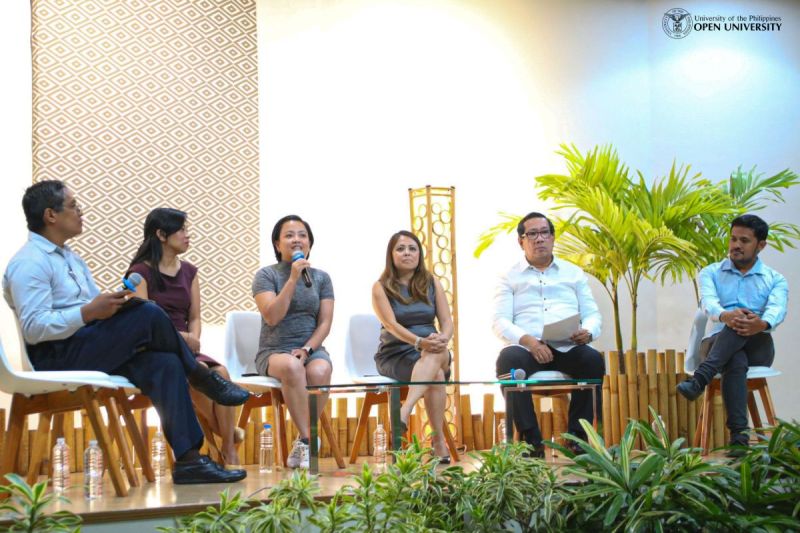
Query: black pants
x,y
731,354
141,344
580,362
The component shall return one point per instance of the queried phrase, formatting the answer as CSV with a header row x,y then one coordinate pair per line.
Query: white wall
x,y
15,138
361,99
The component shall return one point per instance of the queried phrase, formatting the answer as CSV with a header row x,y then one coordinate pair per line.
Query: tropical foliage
x,y
666,487
26,507
622,228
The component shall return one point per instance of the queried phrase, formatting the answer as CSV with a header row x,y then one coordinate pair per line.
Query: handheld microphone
x,y
131,282
516,374
297,255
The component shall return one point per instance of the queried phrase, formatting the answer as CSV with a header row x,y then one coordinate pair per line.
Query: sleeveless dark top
x,y
176,298
417,317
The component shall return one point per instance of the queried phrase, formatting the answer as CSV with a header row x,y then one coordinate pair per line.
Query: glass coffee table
x,y
393,388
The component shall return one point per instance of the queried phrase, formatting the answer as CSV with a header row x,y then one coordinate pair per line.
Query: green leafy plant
x,y
26,507
228,517
666,487
508,490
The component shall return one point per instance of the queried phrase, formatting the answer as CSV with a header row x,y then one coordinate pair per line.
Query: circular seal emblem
x,y
677,23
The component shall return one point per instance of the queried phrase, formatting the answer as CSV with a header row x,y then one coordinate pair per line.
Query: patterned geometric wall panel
x,y
146,103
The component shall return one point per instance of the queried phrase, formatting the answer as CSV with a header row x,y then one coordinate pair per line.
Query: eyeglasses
x,y
533,235
74,207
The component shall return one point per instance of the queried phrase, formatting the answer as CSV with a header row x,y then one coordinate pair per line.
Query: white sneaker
x,y
298,457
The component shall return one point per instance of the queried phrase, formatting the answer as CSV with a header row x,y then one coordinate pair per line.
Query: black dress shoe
x,y
203,470
220,389
737,447
536,451
690,389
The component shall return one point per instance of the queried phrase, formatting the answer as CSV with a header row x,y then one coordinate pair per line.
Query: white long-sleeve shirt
x,y
526,299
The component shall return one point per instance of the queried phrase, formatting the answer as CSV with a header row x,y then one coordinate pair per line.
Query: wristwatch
x,y
309,350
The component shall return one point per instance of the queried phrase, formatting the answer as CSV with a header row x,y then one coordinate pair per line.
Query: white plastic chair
x,y
242,332
51,392
361,344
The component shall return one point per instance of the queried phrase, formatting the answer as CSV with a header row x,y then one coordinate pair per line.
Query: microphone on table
x,y
131,282
296,256
516,374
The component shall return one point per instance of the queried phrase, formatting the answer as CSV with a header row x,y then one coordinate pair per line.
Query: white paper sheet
x,y
561,330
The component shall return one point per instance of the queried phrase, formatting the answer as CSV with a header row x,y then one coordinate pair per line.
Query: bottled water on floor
x,y
93,471
158,456
60,462
501,432
265,450
379,445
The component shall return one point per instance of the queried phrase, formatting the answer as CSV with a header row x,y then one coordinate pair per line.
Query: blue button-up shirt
x,y
46,286
526,299
762,290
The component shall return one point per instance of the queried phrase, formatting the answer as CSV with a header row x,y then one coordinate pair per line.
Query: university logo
x,y
677,23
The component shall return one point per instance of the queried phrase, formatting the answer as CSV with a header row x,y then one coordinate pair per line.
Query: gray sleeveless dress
x,y
396,358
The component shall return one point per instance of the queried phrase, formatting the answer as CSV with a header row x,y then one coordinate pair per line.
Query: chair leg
x,y
753,408
280,422
361,429
139,443
41,440
101,432
766,400
325,420
13,440
451,443
118,435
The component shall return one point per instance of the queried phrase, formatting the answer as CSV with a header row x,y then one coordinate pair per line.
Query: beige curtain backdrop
x,y
147,103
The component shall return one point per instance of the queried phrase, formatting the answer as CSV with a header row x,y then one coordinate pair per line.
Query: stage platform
x,y
157,504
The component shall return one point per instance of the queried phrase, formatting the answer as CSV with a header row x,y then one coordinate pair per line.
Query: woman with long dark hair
x,y
296,306
407,299
175,286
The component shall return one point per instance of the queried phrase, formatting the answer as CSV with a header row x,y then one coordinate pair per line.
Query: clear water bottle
x,y
265,450
501,432
379,445
93,471
60,462
158,456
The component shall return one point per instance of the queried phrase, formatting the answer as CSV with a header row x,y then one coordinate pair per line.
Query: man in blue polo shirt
x,y
747,300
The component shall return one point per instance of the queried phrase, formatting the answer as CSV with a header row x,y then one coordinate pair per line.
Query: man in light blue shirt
x,y
542,289
68,324
747,300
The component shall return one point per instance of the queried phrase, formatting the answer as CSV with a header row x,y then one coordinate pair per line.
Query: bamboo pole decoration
x,y
663,393
642,387
614,393
682,406
466,422
607,410
433,221
488,420
624,415
633,393
671,392
652,382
